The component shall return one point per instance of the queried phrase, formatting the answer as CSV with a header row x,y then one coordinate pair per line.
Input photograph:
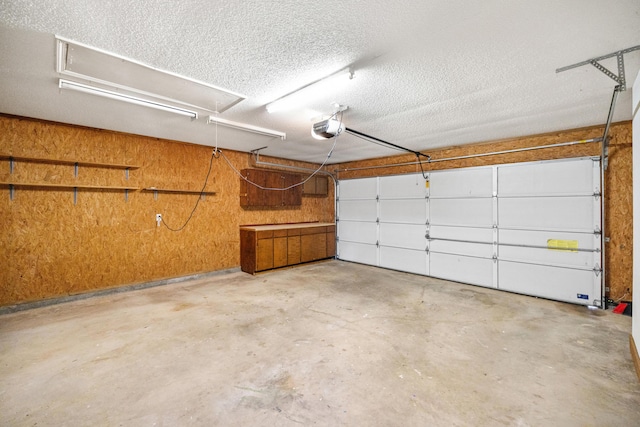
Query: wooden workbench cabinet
x,y
263,247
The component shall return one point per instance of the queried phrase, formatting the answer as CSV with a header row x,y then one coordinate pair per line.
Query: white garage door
x,y
531,228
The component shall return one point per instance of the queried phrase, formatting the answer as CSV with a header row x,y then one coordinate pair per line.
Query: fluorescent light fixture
x,y
318,88
246,127
67,84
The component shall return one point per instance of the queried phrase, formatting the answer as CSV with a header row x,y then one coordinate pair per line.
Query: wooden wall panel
x,y
52,247
618,184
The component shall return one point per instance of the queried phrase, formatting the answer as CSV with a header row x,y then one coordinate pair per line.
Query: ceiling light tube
x,y
67,84
246,127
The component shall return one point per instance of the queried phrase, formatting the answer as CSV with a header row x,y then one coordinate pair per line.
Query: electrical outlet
x,y
158,219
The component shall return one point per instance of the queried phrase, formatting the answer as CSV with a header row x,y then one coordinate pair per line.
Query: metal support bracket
x,y
597,270
618,78
256,152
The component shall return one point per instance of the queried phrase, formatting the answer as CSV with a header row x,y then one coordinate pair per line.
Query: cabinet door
x,y
292,196
274,197
331,244
280,255
264,256
293,250
250,195
313,247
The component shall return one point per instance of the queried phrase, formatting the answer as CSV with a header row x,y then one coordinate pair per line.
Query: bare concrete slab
x,y
329,344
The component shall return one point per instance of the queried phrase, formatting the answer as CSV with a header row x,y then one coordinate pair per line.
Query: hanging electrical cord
x,y
216,153
335,141
213,154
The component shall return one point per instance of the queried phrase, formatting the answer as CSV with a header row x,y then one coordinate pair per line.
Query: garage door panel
x,y
358,252
557,283
461,212
358,210
411,261
484,235
403,187
410,236
358,232
547,213
566,177
362,188
469,182
462,248
549,248
476,271
410,211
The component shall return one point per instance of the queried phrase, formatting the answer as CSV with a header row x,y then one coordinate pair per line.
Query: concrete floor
x,y
329,343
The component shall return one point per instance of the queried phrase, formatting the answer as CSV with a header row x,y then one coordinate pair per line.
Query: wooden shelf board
x,y
66,186
66,162
171,190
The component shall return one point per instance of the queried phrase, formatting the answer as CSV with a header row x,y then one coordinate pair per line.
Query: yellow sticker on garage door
x,y
562,245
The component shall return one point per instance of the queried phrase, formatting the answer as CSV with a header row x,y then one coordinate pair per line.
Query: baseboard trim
x,y
102,292
634,355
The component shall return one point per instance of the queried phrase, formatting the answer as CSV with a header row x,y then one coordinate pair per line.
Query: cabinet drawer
x,y
280,233
312,230
264,234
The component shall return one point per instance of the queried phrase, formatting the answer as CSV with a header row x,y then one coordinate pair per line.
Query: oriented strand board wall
x,y
50,247
618,184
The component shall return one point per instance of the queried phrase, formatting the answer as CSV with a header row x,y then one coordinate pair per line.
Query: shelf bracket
x,y
126,174
11,165
75,195
619,78
75,170
12,191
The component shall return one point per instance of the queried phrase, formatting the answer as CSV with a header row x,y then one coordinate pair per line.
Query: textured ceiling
x,y
427,73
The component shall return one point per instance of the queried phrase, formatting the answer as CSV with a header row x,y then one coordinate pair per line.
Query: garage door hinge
x,y
377,243
427,250
495,257
597,194
597,231
426,236
597,270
